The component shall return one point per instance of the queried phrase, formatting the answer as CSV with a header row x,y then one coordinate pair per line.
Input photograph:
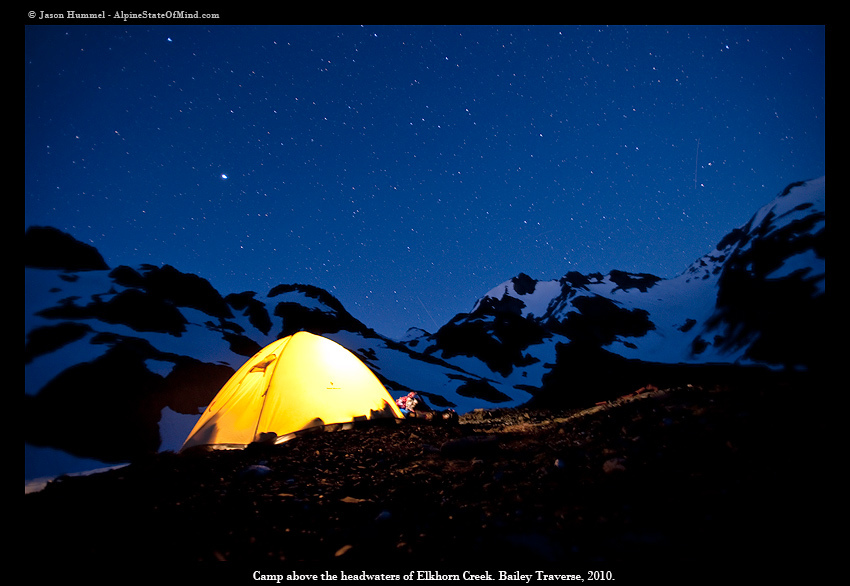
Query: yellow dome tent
x,y
299,382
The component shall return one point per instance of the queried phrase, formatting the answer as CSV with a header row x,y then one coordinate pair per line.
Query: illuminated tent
x,y
299,382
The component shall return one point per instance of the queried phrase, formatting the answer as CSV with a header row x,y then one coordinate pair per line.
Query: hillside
x,y
679,485
134,354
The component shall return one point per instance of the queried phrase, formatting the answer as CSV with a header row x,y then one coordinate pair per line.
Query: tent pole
x,y
267,377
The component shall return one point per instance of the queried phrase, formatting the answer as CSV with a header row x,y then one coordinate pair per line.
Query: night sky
x,y
410,169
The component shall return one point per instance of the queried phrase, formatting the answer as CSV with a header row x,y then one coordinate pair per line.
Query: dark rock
x,y
716,491
49,248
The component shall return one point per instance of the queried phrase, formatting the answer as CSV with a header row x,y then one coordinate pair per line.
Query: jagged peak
x,y
47,247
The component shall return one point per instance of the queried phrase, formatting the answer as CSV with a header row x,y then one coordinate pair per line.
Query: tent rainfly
x,y
296,383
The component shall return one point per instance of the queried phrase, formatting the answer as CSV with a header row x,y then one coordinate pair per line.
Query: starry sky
x,y
410,169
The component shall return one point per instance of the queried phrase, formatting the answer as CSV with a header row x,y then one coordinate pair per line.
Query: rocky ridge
x,y
693,479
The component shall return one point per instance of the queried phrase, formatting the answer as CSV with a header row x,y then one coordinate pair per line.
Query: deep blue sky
x,y
410,169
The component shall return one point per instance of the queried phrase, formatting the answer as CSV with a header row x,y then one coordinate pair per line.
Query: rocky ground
x,y
673,485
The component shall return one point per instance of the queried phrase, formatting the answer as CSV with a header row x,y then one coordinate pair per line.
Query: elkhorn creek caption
x,y
433,575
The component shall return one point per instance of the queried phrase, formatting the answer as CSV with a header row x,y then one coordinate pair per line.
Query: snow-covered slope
x,y
757,298
120,361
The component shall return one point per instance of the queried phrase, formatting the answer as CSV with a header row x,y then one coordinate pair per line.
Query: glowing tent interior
x,y
296,383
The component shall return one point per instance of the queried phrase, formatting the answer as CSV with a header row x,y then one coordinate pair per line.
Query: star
x,y
367,158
